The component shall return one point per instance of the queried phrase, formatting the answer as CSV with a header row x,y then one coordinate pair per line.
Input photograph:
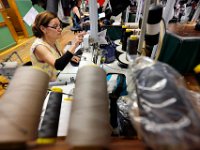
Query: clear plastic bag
x,y
125,126
162,111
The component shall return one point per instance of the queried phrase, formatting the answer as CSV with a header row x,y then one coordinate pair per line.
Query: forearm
x,y
61,62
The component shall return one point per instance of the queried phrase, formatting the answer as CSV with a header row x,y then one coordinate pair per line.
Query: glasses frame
x,y
56,27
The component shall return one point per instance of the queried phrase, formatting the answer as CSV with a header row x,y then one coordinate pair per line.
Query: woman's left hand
x,y
79,38
75,59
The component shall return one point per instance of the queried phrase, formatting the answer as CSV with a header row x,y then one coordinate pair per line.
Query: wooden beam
x,y
2,24
21,22
10,26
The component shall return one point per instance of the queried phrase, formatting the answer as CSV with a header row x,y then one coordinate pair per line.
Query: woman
x,y
76,14
44,52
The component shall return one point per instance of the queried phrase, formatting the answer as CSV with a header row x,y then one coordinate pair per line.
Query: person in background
x,y
100,5
77,15
181,9
44,51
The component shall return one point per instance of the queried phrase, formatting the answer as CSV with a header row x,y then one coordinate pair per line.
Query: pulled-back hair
x,y
42,18
74,3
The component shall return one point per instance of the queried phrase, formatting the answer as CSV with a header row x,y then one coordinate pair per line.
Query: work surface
x,y
184,30
115,144
180,47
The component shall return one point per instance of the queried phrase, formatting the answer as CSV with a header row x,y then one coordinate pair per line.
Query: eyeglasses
x,y
56,27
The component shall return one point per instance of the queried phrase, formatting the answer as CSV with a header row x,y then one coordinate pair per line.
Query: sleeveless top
x,y
76,20
51,71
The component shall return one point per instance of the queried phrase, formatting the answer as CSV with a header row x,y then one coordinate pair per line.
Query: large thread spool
x,y
124,27
21,106
89,122
128,33
49,126
132,45
153,25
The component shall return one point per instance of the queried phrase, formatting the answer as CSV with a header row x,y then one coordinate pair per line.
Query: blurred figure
x,y
181,7
77,15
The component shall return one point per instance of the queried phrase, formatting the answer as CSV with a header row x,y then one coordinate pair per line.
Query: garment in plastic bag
x,y
119,6
125,126
163,112
108,53
119,105
109,50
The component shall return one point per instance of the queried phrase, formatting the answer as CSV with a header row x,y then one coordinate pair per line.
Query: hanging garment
x,y
42,3
52,6
118,6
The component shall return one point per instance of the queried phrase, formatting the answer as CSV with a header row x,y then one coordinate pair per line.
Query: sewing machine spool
x,y
118,42
123,33
118,51
132,45
21,106
123,62
89,122
128,33
49,126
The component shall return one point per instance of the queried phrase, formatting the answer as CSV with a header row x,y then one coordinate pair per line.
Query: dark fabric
x,y
42,3
131,17
78,54
118,118
181,53
163,109
114,32
118,6
52,6
66,7
126,127
76,20
34,2
109,50
61,62
119,90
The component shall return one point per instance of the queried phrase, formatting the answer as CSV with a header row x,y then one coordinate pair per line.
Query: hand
x,y
79,38
75,59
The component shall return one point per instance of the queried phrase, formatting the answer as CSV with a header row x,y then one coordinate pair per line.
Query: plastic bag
x,y
108,53
119,106
162,112
109,50
125,126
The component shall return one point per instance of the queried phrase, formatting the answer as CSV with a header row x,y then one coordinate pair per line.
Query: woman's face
x,y
79,3
54,29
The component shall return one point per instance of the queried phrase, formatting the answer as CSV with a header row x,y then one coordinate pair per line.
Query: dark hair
x,y
42,18
74,3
